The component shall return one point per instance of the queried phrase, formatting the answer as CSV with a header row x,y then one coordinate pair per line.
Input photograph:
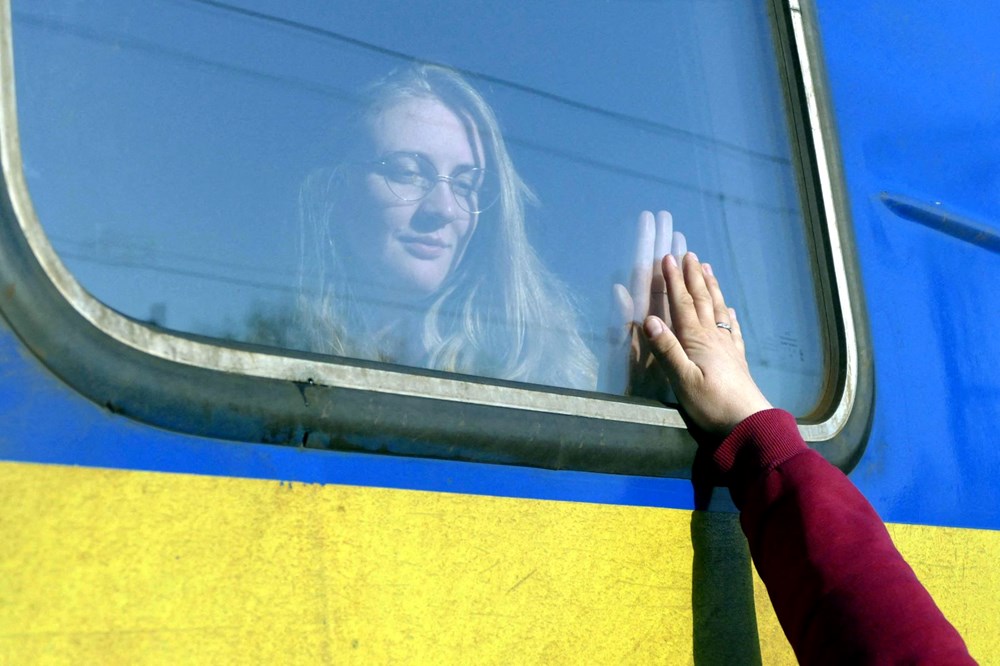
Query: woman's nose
x,y
441,201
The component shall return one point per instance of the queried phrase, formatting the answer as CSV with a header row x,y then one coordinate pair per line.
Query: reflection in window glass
x,y
290,174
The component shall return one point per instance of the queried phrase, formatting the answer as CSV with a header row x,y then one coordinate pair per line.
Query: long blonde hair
x,y
500,313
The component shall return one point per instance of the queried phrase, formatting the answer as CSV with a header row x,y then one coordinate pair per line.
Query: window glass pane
x,y
284,173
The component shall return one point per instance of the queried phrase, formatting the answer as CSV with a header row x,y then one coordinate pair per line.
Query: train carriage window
x,y
439,196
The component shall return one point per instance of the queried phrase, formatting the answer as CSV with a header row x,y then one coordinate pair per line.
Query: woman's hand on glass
x,y
631,368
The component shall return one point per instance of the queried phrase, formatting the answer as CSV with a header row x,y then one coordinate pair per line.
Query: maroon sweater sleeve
x,y
840,589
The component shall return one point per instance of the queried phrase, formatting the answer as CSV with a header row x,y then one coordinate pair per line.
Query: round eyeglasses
x,y
411,177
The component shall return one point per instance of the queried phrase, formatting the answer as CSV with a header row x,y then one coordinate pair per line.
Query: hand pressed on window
x,y
632,368
702,353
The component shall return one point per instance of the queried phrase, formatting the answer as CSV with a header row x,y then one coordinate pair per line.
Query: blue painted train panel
x,y
917,117
916,92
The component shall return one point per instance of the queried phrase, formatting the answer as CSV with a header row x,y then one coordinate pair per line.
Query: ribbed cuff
x,y
757,445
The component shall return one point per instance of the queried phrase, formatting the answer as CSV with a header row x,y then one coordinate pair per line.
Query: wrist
x,y
756,445
745,411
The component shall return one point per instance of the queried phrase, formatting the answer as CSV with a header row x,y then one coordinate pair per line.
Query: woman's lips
x,y
424,247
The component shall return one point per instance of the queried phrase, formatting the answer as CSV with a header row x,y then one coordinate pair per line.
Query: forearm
x,y
841,590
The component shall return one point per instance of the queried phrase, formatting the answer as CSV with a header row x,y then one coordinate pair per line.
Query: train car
x,y
186,478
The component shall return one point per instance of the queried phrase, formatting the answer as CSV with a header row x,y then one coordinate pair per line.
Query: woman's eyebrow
x,y
464,166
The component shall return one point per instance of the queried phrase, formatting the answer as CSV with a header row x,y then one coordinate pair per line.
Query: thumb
x,y
666,346
623,306
621,316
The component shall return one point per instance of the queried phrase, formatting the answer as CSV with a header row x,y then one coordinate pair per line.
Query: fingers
x,y
623,309
655,239
679,246
682,312
657,287
664,235
706,366
696,299
642,266
694,280
721,312
666,347
737,333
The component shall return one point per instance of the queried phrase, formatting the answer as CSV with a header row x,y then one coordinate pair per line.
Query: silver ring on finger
x,y
722,324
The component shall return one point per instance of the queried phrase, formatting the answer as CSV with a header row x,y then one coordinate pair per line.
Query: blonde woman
x,y
415,250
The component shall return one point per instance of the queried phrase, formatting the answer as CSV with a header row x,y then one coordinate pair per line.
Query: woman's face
x,y
410,247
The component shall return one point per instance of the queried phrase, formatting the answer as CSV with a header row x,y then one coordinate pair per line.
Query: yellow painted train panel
x,y
117,566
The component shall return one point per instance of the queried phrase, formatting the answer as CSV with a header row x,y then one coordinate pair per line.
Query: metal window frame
x,y
214,388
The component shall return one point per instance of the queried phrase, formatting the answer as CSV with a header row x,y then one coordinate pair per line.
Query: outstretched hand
x,y
631,368
702,352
